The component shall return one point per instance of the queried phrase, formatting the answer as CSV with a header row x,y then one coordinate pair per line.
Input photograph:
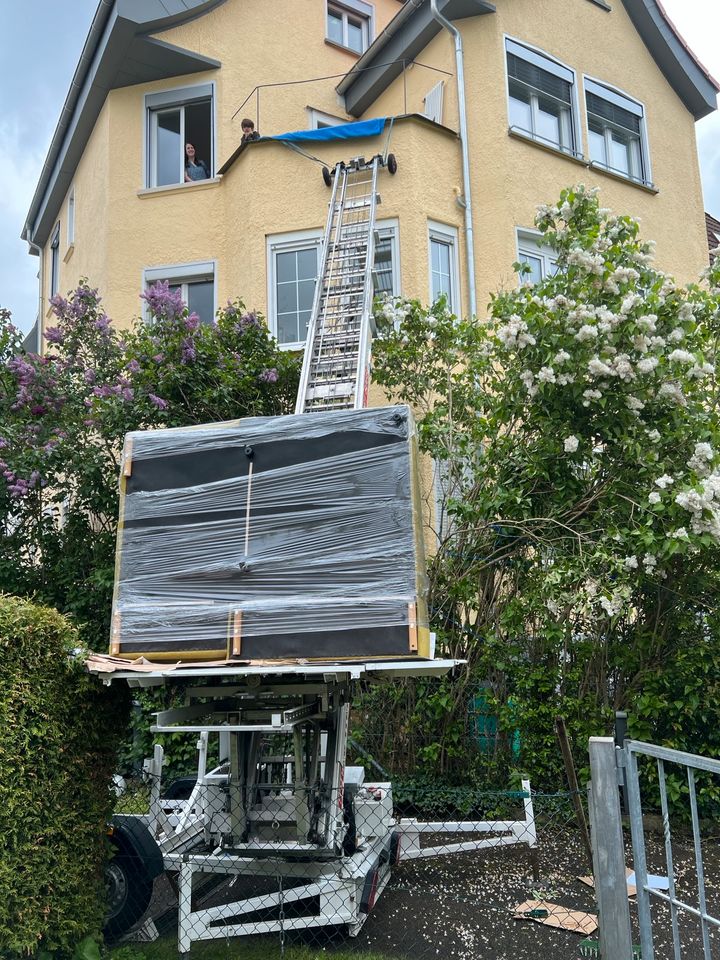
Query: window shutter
x,y
541,80
611,112
434,103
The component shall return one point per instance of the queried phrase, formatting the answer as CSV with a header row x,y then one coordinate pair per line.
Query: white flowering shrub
x,y
579,435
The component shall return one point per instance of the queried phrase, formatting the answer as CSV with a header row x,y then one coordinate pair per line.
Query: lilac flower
x,y
159,357
268,375
133,366
59,305
102,323
128,393
38,410
188,351
158,401
164,304
54,335
89,376
247,321
192,322
3,443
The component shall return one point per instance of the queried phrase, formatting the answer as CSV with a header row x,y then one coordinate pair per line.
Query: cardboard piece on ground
x,y
630,880
558,916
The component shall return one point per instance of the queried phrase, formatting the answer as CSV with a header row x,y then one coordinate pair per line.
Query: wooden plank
x,y
412,627
115,636
127,457
237,633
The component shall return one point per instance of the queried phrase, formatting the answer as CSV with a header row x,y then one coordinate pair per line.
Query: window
x,y
616,132
292,273
386,273
541,259
174,119
349,24
443,265
318,119
195,281
293,264
541,97
434,103
55,261
71,218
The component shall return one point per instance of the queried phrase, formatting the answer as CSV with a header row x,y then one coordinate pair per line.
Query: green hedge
x,y
59,729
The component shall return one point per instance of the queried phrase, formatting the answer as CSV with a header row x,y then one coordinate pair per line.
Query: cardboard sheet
x,y
630,880
558,916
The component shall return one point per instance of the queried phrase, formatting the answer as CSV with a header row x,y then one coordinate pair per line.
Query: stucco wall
x,y
122,229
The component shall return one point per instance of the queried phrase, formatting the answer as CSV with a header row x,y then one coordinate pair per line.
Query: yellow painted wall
x,y
122,229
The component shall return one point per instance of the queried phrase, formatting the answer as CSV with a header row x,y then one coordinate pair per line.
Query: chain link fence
x,y
271,863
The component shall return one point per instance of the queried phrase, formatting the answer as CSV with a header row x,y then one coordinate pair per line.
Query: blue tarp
x,y
343,131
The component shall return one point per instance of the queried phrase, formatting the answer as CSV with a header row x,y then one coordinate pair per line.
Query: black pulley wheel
x,y
392,163
327,177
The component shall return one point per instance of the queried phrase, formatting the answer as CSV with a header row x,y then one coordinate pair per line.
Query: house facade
x,y
567,91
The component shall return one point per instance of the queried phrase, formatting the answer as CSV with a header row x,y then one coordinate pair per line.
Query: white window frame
x,y
564,71
71,218
287,243
527,243
617,96
446,234
183,274
55,260
358,10
391,229
319,119
178,97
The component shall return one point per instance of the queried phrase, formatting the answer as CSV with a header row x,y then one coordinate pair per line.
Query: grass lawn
x,y
236,949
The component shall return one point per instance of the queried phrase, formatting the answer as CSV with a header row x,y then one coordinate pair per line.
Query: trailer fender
x,y
374,875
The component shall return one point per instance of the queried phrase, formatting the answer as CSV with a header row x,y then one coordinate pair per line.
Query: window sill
x,y
180,187
617,175
548,147
340,46
291,347
69,252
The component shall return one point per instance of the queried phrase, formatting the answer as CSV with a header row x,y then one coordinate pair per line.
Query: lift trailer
x,y
300,839
303,838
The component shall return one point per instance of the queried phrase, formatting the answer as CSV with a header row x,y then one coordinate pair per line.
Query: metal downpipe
x,y
462,110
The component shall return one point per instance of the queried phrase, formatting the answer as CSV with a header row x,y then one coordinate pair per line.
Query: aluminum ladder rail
x,y
337,352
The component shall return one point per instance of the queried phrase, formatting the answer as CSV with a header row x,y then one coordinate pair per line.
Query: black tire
x,y
129,892
392,164
327,177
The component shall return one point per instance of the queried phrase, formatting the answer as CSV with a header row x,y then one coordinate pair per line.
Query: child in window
x,y
248,130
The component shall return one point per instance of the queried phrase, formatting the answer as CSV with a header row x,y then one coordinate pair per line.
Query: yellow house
x,y
492,108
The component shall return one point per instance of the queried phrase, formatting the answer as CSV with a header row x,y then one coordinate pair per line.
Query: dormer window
x,y
349,24
176,118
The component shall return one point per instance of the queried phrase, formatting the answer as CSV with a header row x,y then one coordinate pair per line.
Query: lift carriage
x,y
264,568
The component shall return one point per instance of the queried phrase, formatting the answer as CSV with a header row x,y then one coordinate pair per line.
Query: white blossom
x,y
622,367
647,364
681,356
611,606
546,375
641,343
561,356
632,403
629,303
680,534
586,332
649,562
553,607
565,378
700,371
653,435
654,497
673,392
597,368
514,333
630,562
664,481
571,444
701,458
676,335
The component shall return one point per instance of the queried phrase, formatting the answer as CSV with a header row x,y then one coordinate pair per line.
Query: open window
x,y
539,257
195,281
55,260
174,119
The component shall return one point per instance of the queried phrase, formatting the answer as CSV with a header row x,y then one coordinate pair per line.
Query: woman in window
x,y
194,169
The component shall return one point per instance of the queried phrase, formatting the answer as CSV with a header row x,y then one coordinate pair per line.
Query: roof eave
x,y
118,52
405,36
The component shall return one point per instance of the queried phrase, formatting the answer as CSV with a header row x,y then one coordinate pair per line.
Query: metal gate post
x,y
609,853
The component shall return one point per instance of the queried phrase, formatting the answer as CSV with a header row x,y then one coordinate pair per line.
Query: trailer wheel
x,y
392,163
327,177
129,891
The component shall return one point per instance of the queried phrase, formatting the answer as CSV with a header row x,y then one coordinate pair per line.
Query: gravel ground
x,y
460,906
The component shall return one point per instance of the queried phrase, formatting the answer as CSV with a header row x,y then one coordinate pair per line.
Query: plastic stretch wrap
x,y
272,537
